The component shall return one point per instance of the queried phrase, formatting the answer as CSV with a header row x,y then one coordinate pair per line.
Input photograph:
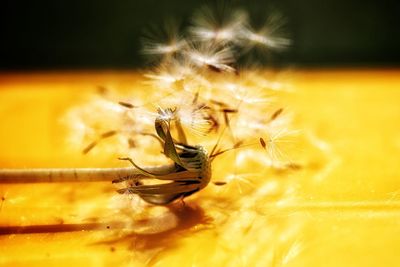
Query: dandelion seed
x,y
211,56
263,38
126,104
176,75
196,119
209,26
276,114
276,146
163,42
239,180
263,144
219,183
165,49
268,36
245,94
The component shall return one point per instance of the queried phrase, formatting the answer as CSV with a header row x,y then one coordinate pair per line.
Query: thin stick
x,y
11,176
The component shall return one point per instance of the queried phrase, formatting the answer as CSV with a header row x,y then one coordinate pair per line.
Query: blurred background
x,y
82,34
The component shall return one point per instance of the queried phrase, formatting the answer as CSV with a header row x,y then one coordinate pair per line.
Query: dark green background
x,y
81,34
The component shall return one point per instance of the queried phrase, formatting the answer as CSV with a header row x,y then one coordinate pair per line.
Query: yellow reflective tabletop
x,y
341,208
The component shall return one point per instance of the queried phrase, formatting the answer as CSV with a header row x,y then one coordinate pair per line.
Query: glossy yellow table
x,y
341,209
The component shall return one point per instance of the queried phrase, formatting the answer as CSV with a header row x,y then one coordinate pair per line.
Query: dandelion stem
x,y
10,176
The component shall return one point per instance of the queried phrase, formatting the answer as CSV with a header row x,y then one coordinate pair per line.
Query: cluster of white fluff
x,y
216,39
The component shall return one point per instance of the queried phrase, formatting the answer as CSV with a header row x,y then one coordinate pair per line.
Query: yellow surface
x,y
341,208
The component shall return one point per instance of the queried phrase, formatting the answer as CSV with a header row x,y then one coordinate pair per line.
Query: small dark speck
x,y
108,227
294,166
262,142
126,104
101,90
112,249
131,143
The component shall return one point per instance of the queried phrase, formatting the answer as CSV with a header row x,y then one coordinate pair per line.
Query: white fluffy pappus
x,y
163,41
278,141
269,36
220,26
170,74
211,56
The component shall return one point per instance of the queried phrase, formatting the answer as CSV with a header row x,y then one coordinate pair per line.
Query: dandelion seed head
x,y
182,72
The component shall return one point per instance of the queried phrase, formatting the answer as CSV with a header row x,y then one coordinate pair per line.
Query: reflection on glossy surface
x,y
339,207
